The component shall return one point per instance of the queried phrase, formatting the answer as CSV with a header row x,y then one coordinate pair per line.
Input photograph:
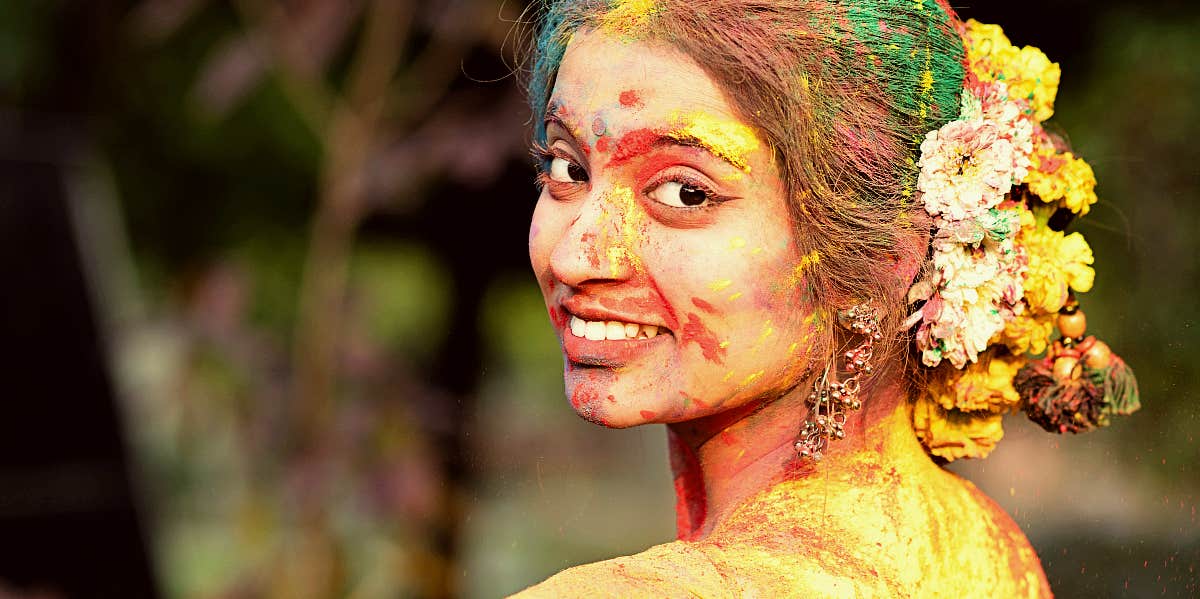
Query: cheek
x,y
541,236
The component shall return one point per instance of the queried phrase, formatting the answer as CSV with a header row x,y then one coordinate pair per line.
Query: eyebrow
x,y
658,138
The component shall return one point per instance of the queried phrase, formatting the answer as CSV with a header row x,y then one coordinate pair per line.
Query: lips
x,y
595,336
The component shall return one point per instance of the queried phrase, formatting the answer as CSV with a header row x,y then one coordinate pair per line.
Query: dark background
x,y
270,330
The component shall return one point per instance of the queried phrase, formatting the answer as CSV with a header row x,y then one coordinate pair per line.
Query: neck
x,y
722,460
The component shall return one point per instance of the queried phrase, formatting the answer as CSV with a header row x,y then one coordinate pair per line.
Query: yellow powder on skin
x,y
723,138
630,228
751,378
720,285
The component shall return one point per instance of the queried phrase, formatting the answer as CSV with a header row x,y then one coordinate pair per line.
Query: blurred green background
x,y
272,255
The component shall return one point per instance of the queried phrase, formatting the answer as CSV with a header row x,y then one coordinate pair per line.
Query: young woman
x,y
817,240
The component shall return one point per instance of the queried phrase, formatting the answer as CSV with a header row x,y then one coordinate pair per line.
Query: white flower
x,y
966,167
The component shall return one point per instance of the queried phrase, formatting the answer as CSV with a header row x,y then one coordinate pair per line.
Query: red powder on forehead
x,y
695,332
630,98
633,144
647,414
602,144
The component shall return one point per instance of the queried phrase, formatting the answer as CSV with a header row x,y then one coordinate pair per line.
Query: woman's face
x,y
662,242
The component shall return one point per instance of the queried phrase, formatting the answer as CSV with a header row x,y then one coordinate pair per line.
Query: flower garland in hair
x,y
1000,274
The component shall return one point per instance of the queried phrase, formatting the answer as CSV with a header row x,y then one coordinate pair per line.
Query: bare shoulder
x,y
704,569
675,569
933,536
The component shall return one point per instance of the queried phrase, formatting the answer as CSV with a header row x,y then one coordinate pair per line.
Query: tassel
x,y
1058,396
1080,384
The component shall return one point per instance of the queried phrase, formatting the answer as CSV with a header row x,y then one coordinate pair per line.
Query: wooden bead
x,y
1067,368
1098,356
1072,325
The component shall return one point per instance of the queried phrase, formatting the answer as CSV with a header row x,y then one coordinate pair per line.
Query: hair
x,y
842,91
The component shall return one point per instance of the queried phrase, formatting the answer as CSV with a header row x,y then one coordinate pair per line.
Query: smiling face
x,y
662,242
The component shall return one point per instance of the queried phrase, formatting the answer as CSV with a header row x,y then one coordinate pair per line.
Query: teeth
x,y
613,330
595,331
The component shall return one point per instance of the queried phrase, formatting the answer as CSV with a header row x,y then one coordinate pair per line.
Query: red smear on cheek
x,y
672,318
632,144
647,414
629,98
703,305
691,507
558,317
695,332
728,438
611,399
640,305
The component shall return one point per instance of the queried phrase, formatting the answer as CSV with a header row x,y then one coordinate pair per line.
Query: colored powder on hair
x,y
628,18
806,262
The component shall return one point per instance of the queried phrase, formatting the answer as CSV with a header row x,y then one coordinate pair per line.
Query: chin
x,y
605,397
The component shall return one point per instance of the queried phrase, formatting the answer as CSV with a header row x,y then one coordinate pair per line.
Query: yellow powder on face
x,y
627,18
724,138
719,285
737,242
630,230
751,378
735,296
767,330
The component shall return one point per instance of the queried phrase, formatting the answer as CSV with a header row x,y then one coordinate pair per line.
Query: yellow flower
x,y
1031,76
1027,72
985,385
1057,263
1064,178
953,434
1028,332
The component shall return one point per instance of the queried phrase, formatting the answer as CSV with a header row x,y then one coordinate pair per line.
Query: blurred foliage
x,y
280,221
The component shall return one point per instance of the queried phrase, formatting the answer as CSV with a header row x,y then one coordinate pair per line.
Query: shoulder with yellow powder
x,y
676,569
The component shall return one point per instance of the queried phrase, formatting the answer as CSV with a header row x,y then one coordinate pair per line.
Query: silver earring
x,y
830,398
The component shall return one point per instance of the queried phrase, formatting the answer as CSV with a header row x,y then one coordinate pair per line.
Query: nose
x,y
600,244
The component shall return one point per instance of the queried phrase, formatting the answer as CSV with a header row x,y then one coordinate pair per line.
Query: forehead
x,y
655,84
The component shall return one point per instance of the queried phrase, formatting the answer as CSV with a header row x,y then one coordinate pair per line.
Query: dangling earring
x,y
829,400
1080,384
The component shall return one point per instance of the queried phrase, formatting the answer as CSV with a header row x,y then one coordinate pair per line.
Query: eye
x,y
565,171
679,195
